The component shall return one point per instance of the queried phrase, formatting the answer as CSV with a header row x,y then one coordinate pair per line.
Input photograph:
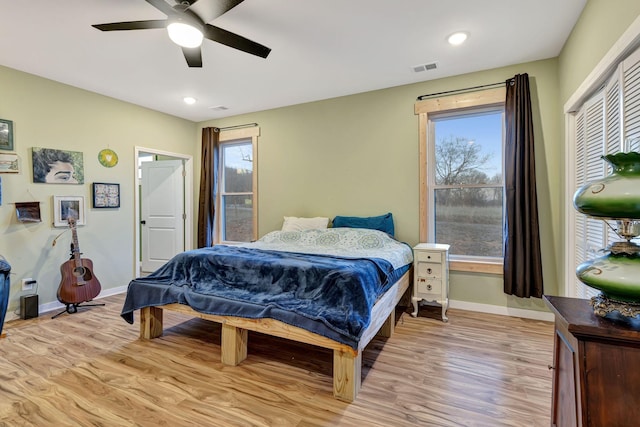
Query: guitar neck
x,y
76,246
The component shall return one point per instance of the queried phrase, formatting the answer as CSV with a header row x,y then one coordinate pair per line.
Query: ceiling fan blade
x,y
235,41
193,56
132,25
162,6
208,10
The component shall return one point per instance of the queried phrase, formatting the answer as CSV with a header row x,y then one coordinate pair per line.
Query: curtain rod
x,y
468,89
246,125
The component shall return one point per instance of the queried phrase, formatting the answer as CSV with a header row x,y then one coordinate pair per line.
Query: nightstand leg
x,y
414,301
445,305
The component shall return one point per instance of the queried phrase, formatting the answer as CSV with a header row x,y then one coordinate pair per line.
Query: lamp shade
x,y
184,35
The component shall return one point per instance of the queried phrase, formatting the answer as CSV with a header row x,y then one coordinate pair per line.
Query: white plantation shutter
x,y
590,233
580,232
631,96
613,118
602,125
613,132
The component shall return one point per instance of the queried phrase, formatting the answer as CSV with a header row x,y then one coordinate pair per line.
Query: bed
x,y
335,288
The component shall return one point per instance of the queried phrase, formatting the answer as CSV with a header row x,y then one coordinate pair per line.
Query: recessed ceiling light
x,y
457,38
189,100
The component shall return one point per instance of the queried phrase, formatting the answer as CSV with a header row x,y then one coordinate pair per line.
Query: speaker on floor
x,y
28,306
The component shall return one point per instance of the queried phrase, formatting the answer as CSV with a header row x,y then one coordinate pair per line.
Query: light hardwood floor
x,y
90,369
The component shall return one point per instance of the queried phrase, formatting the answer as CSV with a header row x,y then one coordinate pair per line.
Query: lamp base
x,y
603,306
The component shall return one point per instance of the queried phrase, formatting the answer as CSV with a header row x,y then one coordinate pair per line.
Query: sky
x,y
236,155
483,129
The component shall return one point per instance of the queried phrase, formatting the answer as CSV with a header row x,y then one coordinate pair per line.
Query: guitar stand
x,y
73,308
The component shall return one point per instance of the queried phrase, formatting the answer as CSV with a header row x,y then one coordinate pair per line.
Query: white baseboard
x,y
505,311
55,305
462,305
11,316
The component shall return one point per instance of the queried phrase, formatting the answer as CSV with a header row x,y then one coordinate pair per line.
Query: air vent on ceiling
x,y
219,108
425,67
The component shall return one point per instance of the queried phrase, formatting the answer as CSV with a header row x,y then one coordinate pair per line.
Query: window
x,y
461,177
466,182
237,197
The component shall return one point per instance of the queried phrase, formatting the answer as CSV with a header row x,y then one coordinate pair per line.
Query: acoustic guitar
x,y
78,283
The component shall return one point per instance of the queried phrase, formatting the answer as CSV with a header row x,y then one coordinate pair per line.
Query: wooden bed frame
x,y
347,362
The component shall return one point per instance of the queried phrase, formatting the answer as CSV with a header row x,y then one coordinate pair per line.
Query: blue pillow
x,y
382,222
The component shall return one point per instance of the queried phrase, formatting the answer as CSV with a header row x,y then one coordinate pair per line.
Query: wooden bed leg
x,y
347,374
150,322
387,328
234,344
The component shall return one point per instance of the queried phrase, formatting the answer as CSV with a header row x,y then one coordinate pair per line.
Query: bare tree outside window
x,y
468,190
237,192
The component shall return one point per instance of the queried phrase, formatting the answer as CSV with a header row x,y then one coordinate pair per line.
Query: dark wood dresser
x,y
596,380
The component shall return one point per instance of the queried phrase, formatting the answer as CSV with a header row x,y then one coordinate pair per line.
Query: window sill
x,y
476,267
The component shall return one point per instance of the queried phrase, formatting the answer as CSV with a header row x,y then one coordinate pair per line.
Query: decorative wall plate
x,y
108,158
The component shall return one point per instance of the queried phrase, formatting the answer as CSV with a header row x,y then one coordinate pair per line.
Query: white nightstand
x,y
431,276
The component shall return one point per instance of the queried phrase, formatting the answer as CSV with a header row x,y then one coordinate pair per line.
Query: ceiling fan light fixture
x,y
184,35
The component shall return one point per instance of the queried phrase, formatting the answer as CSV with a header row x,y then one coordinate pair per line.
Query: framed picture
x,y
65,207
28,211
9,163
52,166
106,195
6,135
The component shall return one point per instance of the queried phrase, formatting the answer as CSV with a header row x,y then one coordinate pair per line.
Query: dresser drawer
x,y
428,256
429,286
429,269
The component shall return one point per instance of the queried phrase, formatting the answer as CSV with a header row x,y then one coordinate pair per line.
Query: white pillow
x,y
292,223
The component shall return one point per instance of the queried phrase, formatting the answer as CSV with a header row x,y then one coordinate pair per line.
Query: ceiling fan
x,y
187,26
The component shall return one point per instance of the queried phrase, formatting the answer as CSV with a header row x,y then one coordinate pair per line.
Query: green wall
x,y
601,24
353,155
358,155
52,115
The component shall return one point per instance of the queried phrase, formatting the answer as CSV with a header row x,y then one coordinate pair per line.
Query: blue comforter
x,y
328,295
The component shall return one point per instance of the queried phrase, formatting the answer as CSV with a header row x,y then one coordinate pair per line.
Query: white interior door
x,y
162,212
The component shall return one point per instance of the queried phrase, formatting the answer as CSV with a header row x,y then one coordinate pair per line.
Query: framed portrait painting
x,y
65,207
52,166
6,135
106,195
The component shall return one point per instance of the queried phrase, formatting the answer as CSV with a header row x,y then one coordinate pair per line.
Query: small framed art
x,y
9,163
106,195
65,207
28,211
6,135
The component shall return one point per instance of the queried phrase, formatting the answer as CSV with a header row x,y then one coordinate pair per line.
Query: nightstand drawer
x,y
428,256
429,269
430,286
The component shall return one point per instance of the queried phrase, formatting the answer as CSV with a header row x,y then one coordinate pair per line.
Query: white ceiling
x,y
320,48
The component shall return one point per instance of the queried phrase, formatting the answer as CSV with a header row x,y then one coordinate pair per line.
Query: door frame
x,y
188,200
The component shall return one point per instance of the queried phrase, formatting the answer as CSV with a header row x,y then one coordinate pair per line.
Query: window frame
x,y
233,137
426,109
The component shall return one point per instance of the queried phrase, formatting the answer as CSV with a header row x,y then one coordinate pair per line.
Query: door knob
x,y
143,222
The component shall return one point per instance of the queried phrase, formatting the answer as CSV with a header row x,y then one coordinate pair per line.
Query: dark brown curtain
x,y
208,186
522,259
